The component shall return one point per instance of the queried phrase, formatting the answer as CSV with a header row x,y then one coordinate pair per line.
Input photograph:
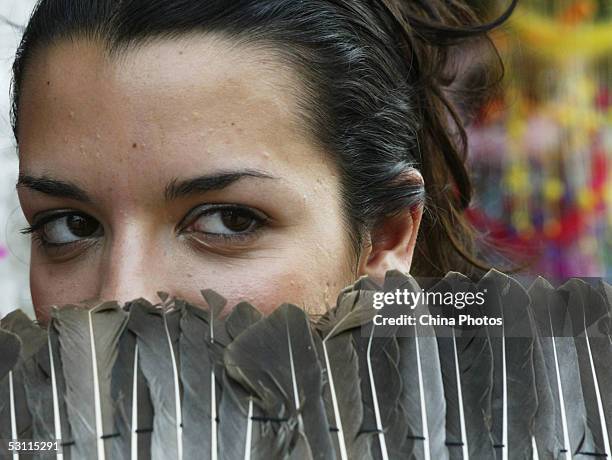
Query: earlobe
x,y
392,244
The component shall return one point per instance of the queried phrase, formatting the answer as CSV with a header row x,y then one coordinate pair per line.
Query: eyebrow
x,y
53,187
201,184
175,189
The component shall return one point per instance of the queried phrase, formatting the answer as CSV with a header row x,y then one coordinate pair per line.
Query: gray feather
x,y
200,376
236,406
60,410
514,402
134,415
243,316
10,347
421,377
157,334
569,434
33,375
89,344
590,323
340,364
287,395
31,339
387,393
466,366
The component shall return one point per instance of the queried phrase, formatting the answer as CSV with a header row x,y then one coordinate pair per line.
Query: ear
x,y
391,245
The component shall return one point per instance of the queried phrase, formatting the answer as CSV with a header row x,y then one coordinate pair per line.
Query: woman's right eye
x,y
64,229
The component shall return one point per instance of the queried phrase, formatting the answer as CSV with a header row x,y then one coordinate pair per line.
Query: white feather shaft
x,y
379,427
213,399
56,413
13,415
134,437
534,449
504,446
296,397
566,439
332,389
464,447
177,396
427,449
249,432
600,410
97,403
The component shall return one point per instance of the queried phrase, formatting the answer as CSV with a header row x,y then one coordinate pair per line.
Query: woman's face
x,y
181,165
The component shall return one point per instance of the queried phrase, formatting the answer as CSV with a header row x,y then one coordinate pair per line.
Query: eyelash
x,y
36,230
260,221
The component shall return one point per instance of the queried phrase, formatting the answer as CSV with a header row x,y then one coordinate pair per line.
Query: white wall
x,y
14,247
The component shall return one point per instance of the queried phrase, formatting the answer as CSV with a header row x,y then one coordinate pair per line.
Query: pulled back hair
x,y
376,74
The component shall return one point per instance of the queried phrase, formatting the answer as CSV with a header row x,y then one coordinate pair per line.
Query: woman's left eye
x,y
226,222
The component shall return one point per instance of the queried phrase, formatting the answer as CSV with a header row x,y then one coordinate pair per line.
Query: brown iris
x,y
236,221
81,226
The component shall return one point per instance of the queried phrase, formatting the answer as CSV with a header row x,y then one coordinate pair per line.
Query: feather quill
x,y
570,435
590,322
236,436
287,395
420,373
380,383
10,346
514,402
63,430
31,338
200,374
89,343
34,375
134,415
393,410
340,365
465,386
157,334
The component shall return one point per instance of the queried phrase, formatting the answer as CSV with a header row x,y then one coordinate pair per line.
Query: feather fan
x,y
177,380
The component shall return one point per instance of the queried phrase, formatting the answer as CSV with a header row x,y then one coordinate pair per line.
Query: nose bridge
x,y
129,268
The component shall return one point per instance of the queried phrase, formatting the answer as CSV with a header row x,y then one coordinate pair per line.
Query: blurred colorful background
x,y
540,150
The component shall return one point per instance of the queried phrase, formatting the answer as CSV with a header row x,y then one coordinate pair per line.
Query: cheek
x,y
303,276
52,286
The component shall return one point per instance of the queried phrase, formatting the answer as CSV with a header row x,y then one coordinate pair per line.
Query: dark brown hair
x,y
377,74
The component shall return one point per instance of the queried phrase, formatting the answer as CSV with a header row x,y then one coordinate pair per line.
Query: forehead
x,y
169,105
